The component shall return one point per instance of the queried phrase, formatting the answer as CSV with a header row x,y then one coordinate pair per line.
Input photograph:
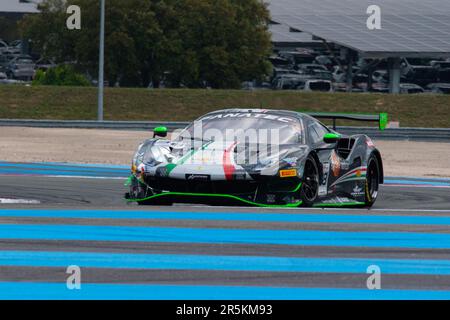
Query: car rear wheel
x,y
372,181
310,186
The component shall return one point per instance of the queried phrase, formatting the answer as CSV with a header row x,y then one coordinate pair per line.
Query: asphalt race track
x,y
53,216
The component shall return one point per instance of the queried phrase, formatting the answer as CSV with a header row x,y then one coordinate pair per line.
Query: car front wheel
x,y
372,181
310,186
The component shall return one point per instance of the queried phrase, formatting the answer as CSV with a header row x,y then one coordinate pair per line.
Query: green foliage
x,y
8,29
63,75
193,43
72,103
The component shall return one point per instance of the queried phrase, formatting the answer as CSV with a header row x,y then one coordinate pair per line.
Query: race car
x,y
255,157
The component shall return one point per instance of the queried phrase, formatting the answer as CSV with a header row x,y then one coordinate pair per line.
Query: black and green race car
x,y
254,157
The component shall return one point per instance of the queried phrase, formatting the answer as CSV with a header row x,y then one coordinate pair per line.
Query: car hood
x,y
218,159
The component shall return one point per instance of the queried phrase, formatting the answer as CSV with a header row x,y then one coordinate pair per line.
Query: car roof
x,y
286,113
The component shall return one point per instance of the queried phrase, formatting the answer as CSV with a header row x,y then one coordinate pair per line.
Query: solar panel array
x,y
409,27
282,34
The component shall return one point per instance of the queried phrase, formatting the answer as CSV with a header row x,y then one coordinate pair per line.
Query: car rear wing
x,y
381,119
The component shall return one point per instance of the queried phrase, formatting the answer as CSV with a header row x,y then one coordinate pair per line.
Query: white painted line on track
x,y
415,186
412,210
86,177
18,201
318,209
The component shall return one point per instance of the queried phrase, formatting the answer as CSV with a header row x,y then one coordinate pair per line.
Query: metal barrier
x,y
416,134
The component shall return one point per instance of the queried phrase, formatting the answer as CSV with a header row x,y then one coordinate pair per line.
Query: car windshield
x,y
246,127
24,61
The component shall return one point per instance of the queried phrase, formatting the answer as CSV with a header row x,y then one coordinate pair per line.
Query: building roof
x,y
283,34
409,27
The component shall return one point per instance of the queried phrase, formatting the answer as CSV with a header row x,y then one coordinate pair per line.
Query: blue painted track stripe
x,y
191,235
32,166
318,217
87,165
59,291
64,173
59,169
417,182
56,172
421,179
221,263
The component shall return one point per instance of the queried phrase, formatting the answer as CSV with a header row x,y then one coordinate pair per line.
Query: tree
x,y
8,28
194,43
62,75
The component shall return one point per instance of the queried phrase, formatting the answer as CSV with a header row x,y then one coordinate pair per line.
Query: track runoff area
x,y
108,249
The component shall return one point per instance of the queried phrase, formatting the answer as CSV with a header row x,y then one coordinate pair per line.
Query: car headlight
x,y
138,157
268,163
157,154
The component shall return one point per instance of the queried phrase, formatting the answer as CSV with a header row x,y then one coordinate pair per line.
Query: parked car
x,y
45,64
289,82
311,68
443,70
323,75
410,88
380,76
342,87
4,79
298,57
340,75
22,68
15,47
3,46
6,58
280,62
419,74
315,85
443,88
254,85
325,61
281,72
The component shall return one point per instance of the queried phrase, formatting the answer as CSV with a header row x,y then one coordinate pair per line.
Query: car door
x,y
328,157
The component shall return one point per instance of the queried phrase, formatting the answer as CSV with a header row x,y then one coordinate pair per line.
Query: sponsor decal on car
x,y
354,175
345,165
370,143
198,177
323,191
335,164
326,170
288,173
249,115
290,161
271,198
357,191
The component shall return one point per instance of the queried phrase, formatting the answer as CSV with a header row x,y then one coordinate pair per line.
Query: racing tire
x,y
156,202
310,187
159,201
372,181
142,194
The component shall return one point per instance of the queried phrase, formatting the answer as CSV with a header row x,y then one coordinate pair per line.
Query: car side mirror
x,y
331,138
160,132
